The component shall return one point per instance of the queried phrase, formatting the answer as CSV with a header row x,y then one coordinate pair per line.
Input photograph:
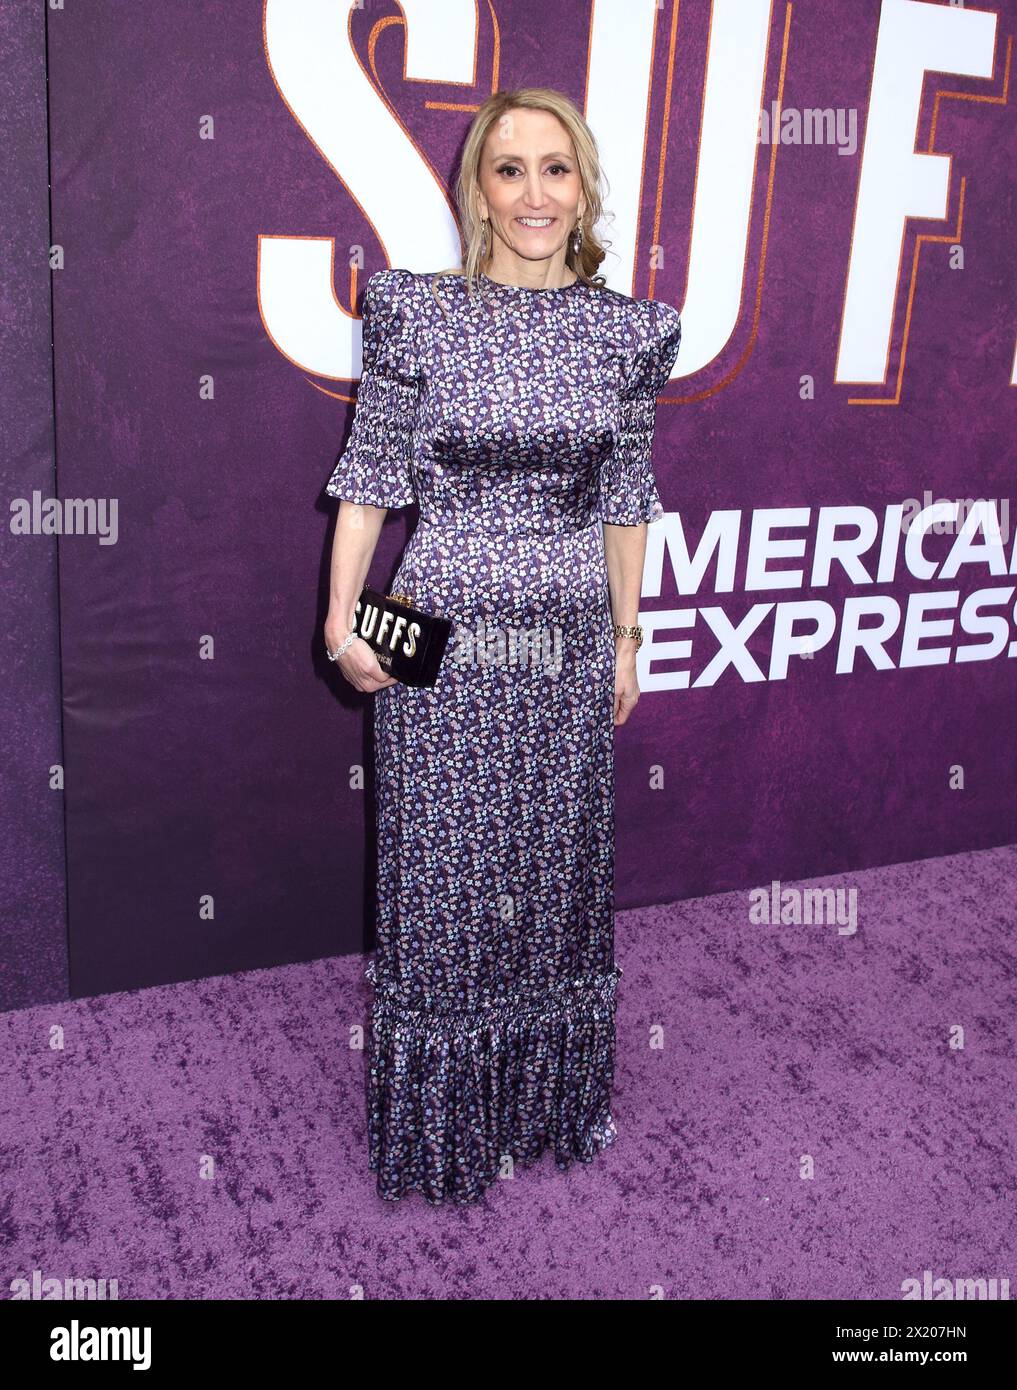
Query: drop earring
x,y
577,238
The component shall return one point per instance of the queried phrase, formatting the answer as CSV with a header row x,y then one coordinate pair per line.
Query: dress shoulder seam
x,y
661,318
405,299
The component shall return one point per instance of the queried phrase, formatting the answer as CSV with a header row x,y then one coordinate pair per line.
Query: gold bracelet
x,y
620,630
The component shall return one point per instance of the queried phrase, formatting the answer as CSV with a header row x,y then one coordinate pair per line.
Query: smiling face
x,y
531,190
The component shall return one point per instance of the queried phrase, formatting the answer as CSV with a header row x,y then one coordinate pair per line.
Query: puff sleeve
x,y
376,466
628,491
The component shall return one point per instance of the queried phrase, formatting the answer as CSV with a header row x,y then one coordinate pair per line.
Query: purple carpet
x,y
802,1112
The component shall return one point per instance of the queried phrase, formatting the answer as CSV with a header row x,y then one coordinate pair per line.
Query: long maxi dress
x,y
519,420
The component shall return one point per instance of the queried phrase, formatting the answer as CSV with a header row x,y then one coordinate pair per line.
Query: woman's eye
x,y
514,169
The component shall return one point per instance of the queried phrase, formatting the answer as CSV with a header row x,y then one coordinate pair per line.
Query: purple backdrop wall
x,y
33,942
217,818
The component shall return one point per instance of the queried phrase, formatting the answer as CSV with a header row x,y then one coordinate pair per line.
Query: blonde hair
x,y
471,226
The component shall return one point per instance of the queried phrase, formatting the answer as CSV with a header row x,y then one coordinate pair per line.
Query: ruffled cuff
x,y
376,466
628,489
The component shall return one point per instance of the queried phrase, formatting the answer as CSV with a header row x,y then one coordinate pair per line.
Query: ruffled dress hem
x,y
453,1094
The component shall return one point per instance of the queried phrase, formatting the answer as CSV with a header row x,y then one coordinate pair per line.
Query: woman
x,y
513,399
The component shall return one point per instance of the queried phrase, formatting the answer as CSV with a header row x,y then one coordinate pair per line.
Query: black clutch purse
x,y
408,642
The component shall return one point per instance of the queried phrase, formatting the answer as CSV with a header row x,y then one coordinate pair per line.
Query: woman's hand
x,y
625,552
358,663
626,687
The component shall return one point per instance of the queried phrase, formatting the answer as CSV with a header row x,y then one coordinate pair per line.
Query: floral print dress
x,y
518,420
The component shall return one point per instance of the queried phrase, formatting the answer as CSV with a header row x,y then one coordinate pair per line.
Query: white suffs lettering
x,y
383,628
